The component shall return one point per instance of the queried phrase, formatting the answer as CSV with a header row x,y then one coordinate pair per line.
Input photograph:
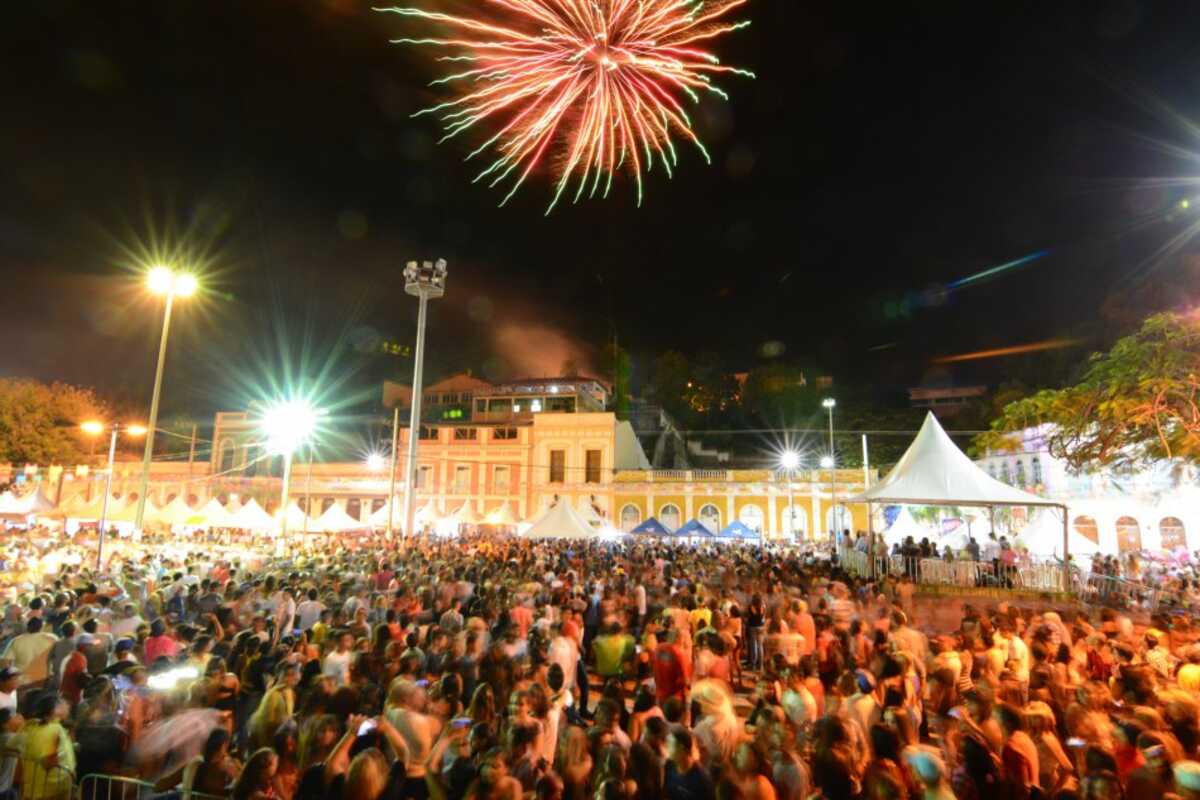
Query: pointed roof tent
x,y
561,522
694,527
211,515
128,512
379,518
737,530
335,520
933,471
465,515
426,513
176,512
35,502
652,527
296,521
252,517
501,516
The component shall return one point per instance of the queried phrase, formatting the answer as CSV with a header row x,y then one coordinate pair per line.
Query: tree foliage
x,y
1137,403
39,423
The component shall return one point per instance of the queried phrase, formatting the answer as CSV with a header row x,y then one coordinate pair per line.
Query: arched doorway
x,y
1129,534
669,516
795,522
631,517
710,517
839,519
752,517
354,507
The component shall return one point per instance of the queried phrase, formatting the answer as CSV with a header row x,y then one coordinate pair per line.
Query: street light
x,y
170,284
790,462
424,280
375,462
95,429
288,425
829,404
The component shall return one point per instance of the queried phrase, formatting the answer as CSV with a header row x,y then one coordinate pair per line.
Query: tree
x,y
1137,403
39,423
781,395
672,372
620,370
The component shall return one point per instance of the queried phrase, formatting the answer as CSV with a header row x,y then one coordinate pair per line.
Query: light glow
x,y
93,427
376,462
592,86
186,285
288,425
826,462
136,430
790,460
829,402
160,280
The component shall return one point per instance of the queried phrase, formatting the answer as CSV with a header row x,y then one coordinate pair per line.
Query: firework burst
x,y
597,85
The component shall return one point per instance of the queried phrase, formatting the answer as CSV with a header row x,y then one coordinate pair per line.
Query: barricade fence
x,y
1037,576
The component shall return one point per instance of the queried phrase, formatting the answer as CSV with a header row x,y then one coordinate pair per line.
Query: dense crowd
x,y
504,668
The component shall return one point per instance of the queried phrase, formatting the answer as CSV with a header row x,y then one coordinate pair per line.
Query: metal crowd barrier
x,y
1044,577
119,787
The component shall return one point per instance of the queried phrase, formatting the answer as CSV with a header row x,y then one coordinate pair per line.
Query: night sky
x,y
885,151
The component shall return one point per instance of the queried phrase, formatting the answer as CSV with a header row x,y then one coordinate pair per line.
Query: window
x,y
462,479
227,452
1086,527
500,406
1172,532
558,466
1038,477
423,476
480,406
500,479
1005,473
535,405
1129,534
465,434
710,517
592,473
1021,473
631,517
565,405
669,515
504,434
354,507
449,399
428,434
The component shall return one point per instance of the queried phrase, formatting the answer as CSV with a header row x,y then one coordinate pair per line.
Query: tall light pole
x,y
790,461
96,428
170,284
288,425
829,404
391,500
425,280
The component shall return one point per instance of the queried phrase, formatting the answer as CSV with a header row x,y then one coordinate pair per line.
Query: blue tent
x,y
736,530
651,527
694,528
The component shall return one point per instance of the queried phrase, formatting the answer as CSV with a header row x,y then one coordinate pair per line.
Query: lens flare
x,y
1035,347
596,85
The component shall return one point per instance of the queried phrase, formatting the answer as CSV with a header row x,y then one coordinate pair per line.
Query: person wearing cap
x,y
928,770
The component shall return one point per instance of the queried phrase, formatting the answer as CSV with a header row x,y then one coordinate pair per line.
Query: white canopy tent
x,y
934,472
252,517
211,515
1043,537
426,514
128,511
379,518
297,522
904,526
176,512
561,521
465,515
34,502
336,520
502,516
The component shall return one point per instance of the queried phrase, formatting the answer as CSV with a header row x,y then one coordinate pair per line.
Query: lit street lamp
x,y
375,462
95,429
288,425
425,280
790,462
829,404
170,284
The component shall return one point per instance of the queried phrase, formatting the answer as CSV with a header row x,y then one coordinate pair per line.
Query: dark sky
x,y
885,150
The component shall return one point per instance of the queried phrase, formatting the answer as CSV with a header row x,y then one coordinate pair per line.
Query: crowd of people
x,y
503,668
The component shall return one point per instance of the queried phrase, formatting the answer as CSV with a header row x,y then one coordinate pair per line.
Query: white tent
x,y
335,520
904,526
92,510
128,511
1043,537
426,514
8,503
252,517
176,512
561,522
34,502
211,515
465,515
379,519
589,513
296,521
934,472
502,516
